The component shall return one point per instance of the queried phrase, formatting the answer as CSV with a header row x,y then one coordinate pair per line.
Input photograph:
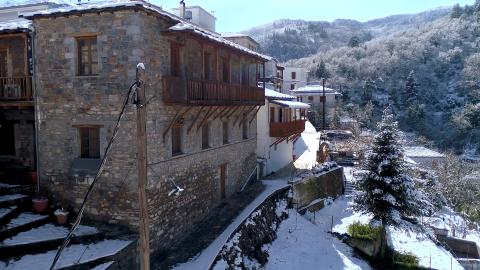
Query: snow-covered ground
x,y
208,255
302,244
306,147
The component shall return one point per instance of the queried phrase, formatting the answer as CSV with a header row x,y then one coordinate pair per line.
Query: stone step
x,y
80,256
7,214
24,222
44,238
6,189
13,199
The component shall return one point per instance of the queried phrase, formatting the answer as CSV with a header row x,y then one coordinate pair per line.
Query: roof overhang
x,y
291,104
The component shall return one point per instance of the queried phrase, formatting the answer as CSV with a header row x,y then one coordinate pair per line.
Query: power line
x,y
99,172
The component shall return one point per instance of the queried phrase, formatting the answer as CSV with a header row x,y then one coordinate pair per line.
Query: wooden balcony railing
x,y
16,88
178,90
285,129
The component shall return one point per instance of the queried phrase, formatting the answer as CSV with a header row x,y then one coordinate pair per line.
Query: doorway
x,y
7,138
3,63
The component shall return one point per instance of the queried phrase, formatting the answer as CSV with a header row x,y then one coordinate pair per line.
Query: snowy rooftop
x,y
420,151
17,3
292,104
314,88
15,25
227,35
270,93
181,26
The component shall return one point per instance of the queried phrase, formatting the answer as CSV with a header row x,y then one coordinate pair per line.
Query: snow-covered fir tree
x,y
410,95
387,192
368,88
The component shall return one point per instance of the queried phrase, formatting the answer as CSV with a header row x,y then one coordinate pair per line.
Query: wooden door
x,y
223,176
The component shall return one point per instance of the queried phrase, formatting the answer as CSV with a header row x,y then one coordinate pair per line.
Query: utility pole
x,y
324,101
144,244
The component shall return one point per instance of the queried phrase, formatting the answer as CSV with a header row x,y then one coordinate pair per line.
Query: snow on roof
x,y
270,93
346,119
15,25
18,3
420,151
313,88
181,26
227,35
292,104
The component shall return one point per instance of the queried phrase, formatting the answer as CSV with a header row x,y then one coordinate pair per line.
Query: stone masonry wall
x,y
67,101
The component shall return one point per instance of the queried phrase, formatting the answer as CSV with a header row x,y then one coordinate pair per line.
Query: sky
x,y
238,15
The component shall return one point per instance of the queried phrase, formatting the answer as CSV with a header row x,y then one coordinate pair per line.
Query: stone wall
x,y
24,132
67,101
327,184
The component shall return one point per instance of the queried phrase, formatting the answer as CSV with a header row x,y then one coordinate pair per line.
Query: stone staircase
x,y
29,240
349,188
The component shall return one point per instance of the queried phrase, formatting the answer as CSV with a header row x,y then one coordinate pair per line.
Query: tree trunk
x,y
383,242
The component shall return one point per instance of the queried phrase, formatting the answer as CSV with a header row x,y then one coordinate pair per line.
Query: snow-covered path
x,y
302,244
207,256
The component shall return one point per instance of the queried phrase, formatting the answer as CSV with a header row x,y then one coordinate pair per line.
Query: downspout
x,y
35,110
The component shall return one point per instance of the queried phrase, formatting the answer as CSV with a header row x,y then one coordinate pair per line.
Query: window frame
x,y
294,75
225,133
176,140
92,135
81,71
206,136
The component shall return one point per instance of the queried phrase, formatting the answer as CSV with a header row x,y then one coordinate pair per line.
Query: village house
x,y
202,95
423,157
294,78
279,125
313,94
242,39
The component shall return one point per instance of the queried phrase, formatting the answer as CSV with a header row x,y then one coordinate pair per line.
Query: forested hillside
x,y
441,59
293,39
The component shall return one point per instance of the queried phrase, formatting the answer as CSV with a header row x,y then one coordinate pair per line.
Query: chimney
x,y
182,9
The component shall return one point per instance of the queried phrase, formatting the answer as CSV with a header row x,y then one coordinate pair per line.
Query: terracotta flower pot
x,y
62,216
40,205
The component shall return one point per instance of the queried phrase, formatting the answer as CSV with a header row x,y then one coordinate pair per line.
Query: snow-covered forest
x,y
444,57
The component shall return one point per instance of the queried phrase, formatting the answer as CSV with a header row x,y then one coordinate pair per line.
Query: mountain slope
x,y
291,39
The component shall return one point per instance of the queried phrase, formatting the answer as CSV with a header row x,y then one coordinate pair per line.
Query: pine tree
x,y
410,94
456,11
368,88
387,192
321,72
477,6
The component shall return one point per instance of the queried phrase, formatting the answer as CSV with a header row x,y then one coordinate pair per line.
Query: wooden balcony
x,y
191,92
16,88
284,129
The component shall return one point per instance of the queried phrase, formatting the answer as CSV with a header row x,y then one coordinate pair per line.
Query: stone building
x,y
201,128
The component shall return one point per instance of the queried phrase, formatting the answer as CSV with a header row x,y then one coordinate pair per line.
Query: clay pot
x,y
40,205
62,216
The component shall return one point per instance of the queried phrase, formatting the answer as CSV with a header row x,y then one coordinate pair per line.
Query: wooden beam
x,y
233,111
221,111
195,120
177,116
255,114
206,117
230,108
239,116
242,118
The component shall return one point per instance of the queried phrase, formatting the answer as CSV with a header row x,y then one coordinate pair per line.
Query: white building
x,y
196,15
280,123
242,39
423,156
313,95
294,78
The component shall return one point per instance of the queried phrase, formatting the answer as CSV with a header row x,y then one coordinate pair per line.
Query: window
x,y
310,98
3,63
205,136
292,86
225,132
207,70
89,142
280,115
245,130
294,75
175,60
176,140
272,115
245,74
87,56
225,70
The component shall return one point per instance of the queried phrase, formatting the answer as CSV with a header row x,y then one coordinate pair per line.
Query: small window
x,y
294,75
292,86
225,132
280,115
87,56
205,136
89,142
245,130
176,140
310,98
245,75
272,115
175,60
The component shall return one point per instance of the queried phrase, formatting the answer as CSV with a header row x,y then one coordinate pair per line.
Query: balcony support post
x,y
209,113
235,108
255,114
177,116
245,114
195,120
220,113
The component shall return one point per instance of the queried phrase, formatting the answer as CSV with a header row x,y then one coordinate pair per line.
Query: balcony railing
x,y
16,88
178,90
285,129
